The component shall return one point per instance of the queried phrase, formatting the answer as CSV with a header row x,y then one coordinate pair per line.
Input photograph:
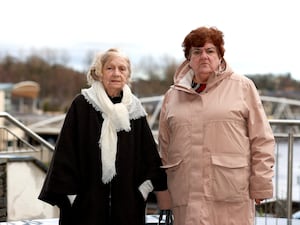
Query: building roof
x,y
6,86
28,89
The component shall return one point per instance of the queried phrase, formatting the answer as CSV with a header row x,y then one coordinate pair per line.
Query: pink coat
x,y
218,149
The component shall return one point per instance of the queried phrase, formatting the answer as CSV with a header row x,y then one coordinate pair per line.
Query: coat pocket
x,y
177,182
230,178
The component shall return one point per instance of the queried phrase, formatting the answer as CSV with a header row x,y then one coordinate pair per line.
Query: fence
x,y
286,200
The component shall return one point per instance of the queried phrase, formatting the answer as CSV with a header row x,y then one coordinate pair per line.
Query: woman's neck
x,y
114,93
201,79
116,99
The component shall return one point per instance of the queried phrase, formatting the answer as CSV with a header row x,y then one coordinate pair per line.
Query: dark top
x,y
76,170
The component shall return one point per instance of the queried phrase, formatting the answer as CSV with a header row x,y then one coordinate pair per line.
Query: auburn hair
x,y
201,35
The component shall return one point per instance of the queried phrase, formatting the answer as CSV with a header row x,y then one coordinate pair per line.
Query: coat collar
x,y
184,75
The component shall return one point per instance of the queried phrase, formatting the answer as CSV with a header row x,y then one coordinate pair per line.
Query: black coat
x,y
76,170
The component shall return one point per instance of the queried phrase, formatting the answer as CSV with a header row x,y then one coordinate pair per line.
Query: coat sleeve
x,y
163,132
262,145
62,173
155,173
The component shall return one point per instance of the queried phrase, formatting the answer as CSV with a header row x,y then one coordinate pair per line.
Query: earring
x,y
222,66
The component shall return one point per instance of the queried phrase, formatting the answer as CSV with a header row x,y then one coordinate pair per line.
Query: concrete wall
x,y
24,182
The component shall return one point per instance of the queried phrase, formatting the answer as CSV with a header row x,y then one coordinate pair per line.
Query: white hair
x,y
99,61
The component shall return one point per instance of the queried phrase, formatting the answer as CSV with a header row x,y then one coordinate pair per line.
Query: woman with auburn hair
x,y
214,138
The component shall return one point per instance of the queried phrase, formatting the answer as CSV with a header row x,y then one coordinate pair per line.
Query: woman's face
x,y
115,74
204,61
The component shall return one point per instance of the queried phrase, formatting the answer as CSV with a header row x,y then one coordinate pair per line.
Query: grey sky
x,y
261,36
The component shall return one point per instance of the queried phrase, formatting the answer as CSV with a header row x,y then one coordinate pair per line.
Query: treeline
x,y
59,83
281,85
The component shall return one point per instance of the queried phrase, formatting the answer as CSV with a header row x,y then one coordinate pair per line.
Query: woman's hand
x,y
258,201
163,199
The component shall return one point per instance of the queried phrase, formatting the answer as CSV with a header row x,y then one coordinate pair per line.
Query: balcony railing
x,y
16,138
285,200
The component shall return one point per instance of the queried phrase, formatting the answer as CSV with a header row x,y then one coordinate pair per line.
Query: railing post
x,y
290,176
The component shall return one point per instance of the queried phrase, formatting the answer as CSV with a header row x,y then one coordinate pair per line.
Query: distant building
x,y
21,101
20,97
5,96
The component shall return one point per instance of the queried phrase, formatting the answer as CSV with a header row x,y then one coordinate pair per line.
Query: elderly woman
x,y
214,138
105,161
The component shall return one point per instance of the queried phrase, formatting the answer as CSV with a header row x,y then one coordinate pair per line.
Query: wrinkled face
x,y
204,61
115,74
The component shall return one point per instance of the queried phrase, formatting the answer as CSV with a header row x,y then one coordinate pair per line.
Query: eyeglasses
x,y
197,51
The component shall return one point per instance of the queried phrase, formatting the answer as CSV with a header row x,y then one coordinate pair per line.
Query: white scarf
x,y
116,118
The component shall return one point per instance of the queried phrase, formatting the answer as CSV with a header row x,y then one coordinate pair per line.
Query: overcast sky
x,y
261,36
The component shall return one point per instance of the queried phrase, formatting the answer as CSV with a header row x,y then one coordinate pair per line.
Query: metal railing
x,y
16,138
11,142
283,130
289,137
28,131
